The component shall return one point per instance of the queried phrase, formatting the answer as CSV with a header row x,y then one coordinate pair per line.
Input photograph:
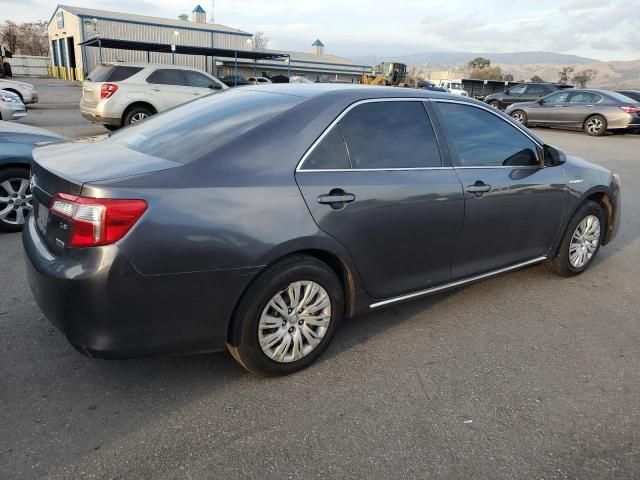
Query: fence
x,y
29,65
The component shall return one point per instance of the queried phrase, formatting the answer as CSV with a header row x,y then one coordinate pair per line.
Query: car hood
x,y
20,128
14,83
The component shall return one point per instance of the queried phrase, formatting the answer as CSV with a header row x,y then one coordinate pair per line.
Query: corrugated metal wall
x,y
29,65
156,34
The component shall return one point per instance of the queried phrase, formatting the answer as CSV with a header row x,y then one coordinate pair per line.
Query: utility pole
x,y
213,4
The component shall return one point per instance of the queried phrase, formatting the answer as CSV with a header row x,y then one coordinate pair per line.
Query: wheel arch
x,y
13,90
138,103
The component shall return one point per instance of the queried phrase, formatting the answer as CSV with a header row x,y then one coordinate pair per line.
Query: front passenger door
x,y
513,204
200,84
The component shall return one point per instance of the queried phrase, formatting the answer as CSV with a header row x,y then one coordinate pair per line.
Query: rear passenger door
x,y
166,88
376,181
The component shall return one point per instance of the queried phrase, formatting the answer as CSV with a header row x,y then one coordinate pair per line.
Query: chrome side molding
x,y
457,283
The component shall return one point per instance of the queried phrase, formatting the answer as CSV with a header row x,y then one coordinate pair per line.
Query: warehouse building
x,y
80,38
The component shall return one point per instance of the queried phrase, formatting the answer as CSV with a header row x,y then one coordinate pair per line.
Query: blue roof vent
x,y
317,43
198,9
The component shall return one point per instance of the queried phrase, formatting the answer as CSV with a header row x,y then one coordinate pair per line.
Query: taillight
x,y
97,221
630,109
108,89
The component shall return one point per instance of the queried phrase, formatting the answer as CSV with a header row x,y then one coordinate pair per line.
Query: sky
x,y
600,29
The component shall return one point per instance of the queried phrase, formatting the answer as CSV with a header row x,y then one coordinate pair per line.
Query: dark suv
x,y
525,92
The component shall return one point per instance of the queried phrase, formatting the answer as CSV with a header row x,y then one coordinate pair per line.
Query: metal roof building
x,y
73,54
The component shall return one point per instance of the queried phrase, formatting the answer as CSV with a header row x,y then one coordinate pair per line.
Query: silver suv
x,y
119,94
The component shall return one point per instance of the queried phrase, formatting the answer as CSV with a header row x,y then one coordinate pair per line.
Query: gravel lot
x,y
523,376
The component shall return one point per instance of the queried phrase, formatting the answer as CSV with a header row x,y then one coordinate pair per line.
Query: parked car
x,y
234,81
16,145
525,92
293,206
594,111
11,107
632,94
258,80
25,91
299,79
119,94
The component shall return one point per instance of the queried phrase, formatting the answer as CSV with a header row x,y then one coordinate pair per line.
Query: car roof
x,y
356,91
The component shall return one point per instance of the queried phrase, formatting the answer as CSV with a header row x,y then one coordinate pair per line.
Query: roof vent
x,y
199,15
317,47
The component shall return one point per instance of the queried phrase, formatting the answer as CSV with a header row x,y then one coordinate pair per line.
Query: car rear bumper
x,y
100,113
97,118
107,309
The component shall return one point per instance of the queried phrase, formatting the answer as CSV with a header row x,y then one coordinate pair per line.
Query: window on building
x,y
481,139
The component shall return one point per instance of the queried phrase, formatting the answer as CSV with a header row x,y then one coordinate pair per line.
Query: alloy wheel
x,y
584,241
518,117
594,126
138,117
15,201
294,321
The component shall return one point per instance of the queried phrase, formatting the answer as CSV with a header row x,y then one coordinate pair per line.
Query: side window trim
x,y
451,147
336,121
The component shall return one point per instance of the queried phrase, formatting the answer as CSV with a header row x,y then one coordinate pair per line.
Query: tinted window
x,y
482,139
166,76
111,73
517,90
585,98
390,135
558,97
630,95
193,130
196,79
536,90
330,153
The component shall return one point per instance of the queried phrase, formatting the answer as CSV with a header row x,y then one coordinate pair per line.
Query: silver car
x,y
11,107
27,92
119,94
593,111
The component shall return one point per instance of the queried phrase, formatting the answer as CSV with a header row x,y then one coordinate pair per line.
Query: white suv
x,y
119,94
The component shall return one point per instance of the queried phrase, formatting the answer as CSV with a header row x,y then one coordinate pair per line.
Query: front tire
x,y
595,126
520,117
581,241
15,199
287,317
495,104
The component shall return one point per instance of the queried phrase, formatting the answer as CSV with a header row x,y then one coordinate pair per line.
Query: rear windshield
x,y
186,133
619,97
112,73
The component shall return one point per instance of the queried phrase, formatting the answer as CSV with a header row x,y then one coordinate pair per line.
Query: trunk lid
x,y
91,92
66,167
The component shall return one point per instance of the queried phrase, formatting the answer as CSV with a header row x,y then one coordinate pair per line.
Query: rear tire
x,y
15,203
563,263
136,114
270,341
520,117
595,126
111,128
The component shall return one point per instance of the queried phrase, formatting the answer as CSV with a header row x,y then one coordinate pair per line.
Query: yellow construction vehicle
x,y
5,68
386,73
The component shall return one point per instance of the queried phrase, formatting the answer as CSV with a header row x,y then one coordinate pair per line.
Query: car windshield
x,y
190,131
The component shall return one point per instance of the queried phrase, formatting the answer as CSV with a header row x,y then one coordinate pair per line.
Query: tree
x,y
10,35
564,74
487,73
184,17
585,76
507,77
479,63
536,79
260,41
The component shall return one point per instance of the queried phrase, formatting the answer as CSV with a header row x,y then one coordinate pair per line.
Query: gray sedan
x,y
594,111
257,218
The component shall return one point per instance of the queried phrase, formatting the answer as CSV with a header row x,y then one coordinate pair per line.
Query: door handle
x,y
155,89
479,188
336,198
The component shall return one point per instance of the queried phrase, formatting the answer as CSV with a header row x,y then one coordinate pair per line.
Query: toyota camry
x,y
256,219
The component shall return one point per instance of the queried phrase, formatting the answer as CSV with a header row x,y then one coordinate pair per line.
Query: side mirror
x,y
540,101
553,156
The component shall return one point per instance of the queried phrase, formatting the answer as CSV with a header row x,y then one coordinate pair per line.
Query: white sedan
x,y
25,91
